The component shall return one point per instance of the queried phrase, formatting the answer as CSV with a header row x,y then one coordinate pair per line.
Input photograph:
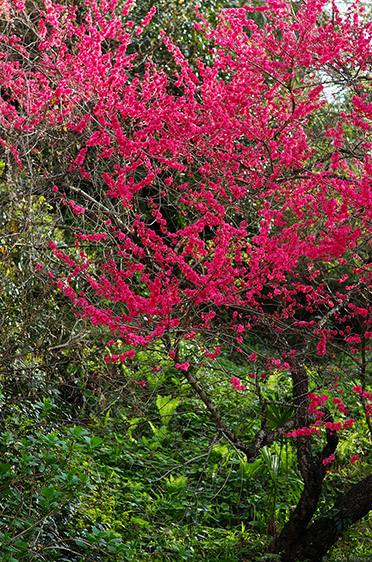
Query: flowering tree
x,y
224,209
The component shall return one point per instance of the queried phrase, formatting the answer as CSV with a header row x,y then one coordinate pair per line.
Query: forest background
x,y
212,441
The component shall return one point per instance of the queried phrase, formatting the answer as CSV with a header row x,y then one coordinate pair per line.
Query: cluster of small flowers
x,y
276,364
364,393
214,354
333,426
76,209
316,401
237,384
92,237
190,336
302,432
182,367
122,357
328,460
340,406
143,383
321,347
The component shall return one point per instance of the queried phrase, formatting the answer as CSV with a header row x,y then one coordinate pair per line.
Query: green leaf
x,y
5,469
76,431
95,442
48,491
166,406
176,483
221,449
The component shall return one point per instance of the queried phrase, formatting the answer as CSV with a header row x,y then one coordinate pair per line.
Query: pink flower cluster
x,y
182,367
237,384
303,431
328,460
120,357
316,402
142,383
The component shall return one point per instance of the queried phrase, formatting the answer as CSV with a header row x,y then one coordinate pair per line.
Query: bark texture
x,y
316,541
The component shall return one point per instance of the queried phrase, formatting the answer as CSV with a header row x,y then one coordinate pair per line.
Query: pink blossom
x,y
321,347
182,367
328,460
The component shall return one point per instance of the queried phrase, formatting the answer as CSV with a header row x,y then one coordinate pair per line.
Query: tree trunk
x,y
311,468
316,541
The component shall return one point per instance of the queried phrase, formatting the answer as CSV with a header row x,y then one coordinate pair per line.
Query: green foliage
x,y
166,406
161,486
356,543
46,474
